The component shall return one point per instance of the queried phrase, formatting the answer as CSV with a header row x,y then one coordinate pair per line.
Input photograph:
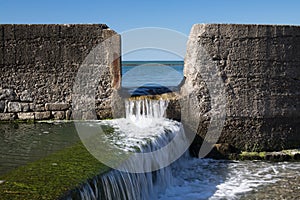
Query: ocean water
x,y
151,77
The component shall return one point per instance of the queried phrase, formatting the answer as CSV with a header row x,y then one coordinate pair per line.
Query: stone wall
x,y
259,69
39,64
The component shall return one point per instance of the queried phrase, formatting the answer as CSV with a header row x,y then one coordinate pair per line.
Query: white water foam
x,y
216,179
146,130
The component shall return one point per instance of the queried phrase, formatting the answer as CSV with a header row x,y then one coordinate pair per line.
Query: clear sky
x,y
128,14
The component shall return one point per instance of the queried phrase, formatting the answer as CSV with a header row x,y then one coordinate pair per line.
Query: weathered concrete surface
x,y
39,64
259,69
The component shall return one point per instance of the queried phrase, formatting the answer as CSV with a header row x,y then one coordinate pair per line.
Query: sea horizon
x,y
152,62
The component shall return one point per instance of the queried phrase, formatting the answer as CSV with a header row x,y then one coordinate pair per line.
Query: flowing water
x,y
145,130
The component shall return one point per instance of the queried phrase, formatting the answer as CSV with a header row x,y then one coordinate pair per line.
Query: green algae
x,y
245,155
51,177
284,155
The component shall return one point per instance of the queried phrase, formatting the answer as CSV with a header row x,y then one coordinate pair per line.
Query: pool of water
x,y
21,143
192,179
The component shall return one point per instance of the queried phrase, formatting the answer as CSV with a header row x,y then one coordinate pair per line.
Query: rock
x,y
8,94
14,107
2,106
173,110
42,115
277,156
36,107
25,107
7,116
56,106
297,156
68,114
222,151
26,96
58,115
26,116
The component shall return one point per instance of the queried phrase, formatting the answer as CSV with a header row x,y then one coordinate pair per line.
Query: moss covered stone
x,y
51,177
284,155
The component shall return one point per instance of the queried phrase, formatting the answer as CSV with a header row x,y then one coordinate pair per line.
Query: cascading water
x,y
143,130
146,130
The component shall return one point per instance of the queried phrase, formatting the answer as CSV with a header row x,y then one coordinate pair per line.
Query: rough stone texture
x,y
7,94
25,96
39,64
58,115
26,116
56,106
259,69
36,107
42,115
25,107
7,116
14,107
2,106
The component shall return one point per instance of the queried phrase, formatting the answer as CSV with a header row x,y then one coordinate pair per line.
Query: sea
x,y
151,77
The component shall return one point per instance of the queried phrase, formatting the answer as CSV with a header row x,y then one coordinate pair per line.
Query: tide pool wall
x,y
39,64
259,68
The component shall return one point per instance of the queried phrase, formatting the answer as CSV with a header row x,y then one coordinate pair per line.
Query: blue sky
x,y
128,14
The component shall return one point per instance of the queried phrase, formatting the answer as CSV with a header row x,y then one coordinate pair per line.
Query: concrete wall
x,y
259,69
38,66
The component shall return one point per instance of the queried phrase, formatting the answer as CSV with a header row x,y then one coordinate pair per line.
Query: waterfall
x,y
148,131
145,109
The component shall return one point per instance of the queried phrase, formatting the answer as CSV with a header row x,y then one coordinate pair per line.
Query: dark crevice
x,y
103,26
60,45
15,51
3,45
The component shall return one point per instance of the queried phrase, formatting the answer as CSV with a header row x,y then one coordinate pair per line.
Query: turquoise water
x,y
151,77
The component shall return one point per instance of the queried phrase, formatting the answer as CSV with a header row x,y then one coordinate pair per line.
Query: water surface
x,y
22,143
151,77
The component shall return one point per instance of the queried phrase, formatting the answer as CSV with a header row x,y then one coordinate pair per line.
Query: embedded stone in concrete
x,y
56,106
58,115
68,114
8,94
37,107
7,116
25,107
14,107
2,106
42,115
26,96
26,116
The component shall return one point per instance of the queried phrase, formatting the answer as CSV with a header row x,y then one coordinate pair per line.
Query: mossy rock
x,y
278,156
51,177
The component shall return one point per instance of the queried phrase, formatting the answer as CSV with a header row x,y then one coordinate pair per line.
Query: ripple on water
x,y
213,179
